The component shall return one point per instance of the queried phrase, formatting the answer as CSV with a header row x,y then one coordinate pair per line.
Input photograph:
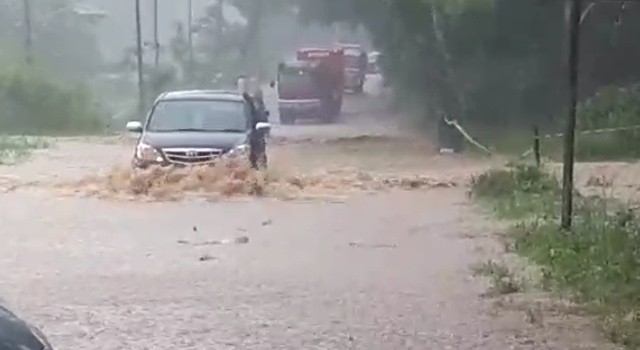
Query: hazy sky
x,y
118,31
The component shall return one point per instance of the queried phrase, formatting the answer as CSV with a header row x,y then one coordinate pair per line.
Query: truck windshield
x,y
295,80
198,115
352,61
296,83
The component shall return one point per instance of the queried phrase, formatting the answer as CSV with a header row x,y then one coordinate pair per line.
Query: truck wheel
x,y
335,111
287,119
329,115
338,108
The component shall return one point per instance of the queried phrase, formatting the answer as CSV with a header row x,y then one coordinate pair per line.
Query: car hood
x,y
221,140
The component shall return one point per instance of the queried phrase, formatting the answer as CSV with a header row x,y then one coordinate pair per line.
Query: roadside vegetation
x,y
596,264
34,104
608,130
16,148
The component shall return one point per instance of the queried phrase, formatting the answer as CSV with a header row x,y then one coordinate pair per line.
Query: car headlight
x,y
239,150
148,153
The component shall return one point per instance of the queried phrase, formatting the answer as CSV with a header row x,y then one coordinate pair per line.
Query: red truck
x,y
311,86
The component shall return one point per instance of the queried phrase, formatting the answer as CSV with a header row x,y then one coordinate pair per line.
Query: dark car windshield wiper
x,y
188,129
231,130
201,130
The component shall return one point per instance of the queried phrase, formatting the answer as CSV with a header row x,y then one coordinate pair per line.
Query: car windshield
x,y
198,115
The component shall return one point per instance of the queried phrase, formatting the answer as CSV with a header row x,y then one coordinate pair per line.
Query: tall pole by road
x,y
156,36
219,25
141,94
28,40
190,35
575,12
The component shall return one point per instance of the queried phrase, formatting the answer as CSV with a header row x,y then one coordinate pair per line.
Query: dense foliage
x,y
491,61
32,103
49,95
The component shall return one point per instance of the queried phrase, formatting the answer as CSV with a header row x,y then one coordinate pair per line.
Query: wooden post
x,y
575,11
536,145
141,94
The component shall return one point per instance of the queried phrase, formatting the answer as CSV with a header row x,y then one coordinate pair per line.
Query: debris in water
x,y
207,257
373,246
238,240
242,240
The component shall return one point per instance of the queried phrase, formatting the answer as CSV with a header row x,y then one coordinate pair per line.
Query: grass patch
x,y
501,279
14,149
517,192
596,264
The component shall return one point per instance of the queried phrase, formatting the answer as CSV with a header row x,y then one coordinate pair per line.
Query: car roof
x,y
214,95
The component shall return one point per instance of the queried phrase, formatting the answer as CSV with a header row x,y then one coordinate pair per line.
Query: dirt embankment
x,y
620,180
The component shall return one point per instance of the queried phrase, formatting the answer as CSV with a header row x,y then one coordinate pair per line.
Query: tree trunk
x,y
456,107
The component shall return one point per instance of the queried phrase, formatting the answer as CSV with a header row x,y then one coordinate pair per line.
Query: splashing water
x,y
234,178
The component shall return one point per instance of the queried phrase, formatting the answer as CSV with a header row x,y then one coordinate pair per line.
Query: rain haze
x,y
319,174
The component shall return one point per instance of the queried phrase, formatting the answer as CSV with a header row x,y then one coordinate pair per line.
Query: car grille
x,y
191,156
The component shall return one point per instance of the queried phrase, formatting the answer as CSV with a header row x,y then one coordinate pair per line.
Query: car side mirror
x,y
272,84
247,98
262,126
134,126
267,113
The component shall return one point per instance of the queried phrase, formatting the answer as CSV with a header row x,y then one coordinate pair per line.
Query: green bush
x,y
31,103
517,192
612,107
14,149
597,263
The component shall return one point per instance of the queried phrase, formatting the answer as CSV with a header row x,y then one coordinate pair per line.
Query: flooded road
x,y
385,270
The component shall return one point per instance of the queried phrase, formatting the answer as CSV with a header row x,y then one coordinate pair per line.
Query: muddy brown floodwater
x,y
384,267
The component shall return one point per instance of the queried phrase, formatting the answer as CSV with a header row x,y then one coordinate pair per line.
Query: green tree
x,y
489,61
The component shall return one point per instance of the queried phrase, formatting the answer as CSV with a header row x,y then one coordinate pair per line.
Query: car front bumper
x,y
311,108
353,79
178,158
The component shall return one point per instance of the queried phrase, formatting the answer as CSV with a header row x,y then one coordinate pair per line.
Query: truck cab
x,y
311,86
298,93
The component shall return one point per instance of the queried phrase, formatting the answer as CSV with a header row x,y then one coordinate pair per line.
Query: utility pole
x,y
219,25
28,40
156,38
141,94
575,12
190,35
